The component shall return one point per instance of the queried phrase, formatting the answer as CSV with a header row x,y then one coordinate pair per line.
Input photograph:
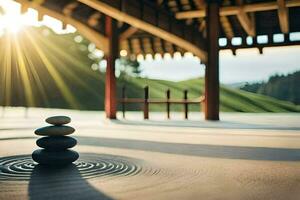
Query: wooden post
x,y
186,108
123,100
110,79
286,37
146,103
168,94
212,67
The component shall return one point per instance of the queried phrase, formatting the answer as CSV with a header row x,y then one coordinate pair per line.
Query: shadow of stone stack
x,y
55,144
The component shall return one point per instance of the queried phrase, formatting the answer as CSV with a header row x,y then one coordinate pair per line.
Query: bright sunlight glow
x,y
17,61
13,21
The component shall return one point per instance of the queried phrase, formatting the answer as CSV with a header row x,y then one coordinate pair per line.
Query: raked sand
x,y
244,156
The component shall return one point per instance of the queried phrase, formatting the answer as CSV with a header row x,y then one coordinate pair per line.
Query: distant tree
x,y
129,67
254,87
284,87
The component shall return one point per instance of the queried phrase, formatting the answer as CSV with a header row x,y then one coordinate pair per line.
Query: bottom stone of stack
x,y
54,158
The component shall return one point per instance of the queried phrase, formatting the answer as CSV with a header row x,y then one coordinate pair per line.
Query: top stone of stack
x,y
58,120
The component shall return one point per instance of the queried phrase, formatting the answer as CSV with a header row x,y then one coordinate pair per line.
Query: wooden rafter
x,y
162,44
202,28
147,45
157,45
24,9
93,20
283,14
227,27
234,10
152,45
142,47
140,24
131,50
246,22
202,24
99,40
136,46
69,8
200,3
261,46
127,33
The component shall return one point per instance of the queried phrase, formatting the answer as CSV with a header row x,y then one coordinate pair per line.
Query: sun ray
x,y
24,74
57,58
74,61
54,74
8,70
36,77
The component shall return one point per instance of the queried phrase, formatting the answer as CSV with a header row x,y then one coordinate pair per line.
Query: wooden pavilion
x,y
169,26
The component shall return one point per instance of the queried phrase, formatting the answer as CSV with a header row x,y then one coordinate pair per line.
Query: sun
x,y
12,20
12,24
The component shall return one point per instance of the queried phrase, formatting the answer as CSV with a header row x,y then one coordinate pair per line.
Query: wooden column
x,y
110,79
186,105
212,95
146,102
168,94
123,100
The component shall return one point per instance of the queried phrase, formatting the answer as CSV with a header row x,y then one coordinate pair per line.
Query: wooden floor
x,y
244,156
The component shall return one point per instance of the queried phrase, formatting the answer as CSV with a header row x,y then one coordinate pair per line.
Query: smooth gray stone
x,y
52,158
56,143
58,120
54,130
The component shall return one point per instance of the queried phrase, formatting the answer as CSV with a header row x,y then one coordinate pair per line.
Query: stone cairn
x,y
55,144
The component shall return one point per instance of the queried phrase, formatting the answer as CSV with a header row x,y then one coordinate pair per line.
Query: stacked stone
x,y
55,144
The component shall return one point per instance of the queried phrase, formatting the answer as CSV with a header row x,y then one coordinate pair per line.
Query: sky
x,y
247,66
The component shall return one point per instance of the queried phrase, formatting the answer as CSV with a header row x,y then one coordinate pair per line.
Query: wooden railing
x,y
146,101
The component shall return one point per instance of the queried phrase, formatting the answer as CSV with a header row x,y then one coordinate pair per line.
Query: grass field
x,y
232,100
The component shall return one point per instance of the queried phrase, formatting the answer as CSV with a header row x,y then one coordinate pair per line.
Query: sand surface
x,y
245,156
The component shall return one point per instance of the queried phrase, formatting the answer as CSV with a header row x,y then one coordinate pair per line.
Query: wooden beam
x,y
283,14
261,46
69,8
99,40
127,33
212,65
227,27
24,9
111,32
140,24
93,20
234,10
142,45
246,22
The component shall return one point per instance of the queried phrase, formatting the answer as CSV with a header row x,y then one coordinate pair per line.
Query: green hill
x,y
39,68
283,87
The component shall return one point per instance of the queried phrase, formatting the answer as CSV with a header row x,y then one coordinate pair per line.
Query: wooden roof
x,y
160,26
